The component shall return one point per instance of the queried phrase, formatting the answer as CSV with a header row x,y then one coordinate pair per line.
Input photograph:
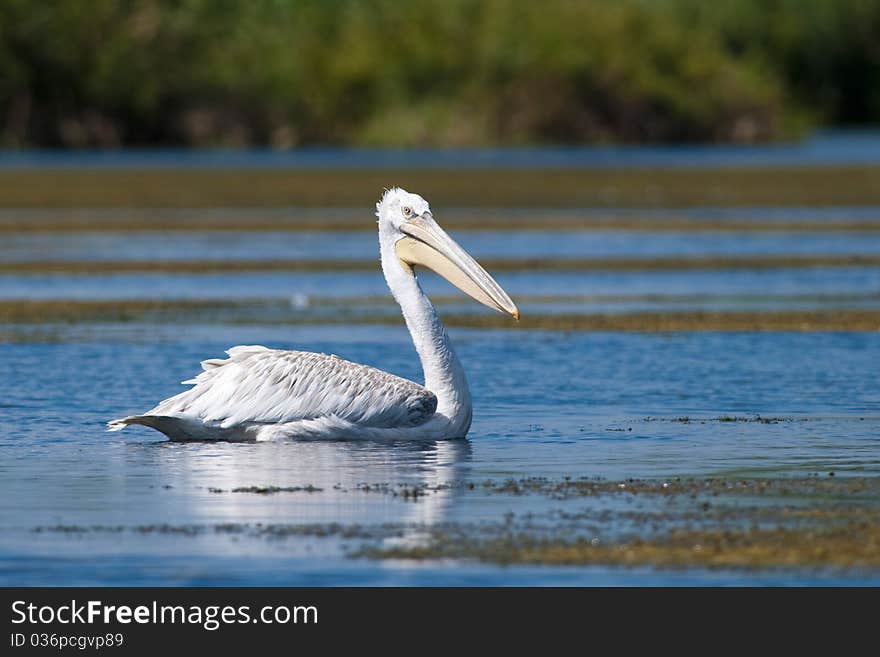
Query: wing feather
x,y
260,385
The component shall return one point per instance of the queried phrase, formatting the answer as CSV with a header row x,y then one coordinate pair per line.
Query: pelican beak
x,y
428,245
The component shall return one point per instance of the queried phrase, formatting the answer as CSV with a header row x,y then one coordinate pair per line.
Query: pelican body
x,y
264,394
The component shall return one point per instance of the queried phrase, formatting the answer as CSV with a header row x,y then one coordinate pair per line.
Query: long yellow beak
x,y
428,245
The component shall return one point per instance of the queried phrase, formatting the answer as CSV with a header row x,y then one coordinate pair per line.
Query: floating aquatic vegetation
x,y
232,312
817,521
668,187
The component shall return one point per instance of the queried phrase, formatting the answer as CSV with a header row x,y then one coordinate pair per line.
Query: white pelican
x,y
262,394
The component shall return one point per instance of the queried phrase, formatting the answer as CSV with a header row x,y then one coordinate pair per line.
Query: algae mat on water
x,y
809,522
172,312
294,219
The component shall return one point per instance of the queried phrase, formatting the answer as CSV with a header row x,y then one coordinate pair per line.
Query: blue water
x,y
801,288
827,148
317,245
140,510
538,292
599,409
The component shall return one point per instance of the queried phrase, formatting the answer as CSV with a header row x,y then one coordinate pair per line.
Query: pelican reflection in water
x,y
263,394
355,482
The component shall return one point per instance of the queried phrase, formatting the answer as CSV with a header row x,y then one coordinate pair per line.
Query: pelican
x,y
263,394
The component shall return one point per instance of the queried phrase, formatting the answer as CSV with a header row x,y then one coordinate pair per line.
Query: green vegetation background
x,y
104,73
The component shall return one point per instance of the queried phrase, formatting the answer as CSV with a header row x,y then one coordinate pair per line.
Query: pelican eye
x,y
407,211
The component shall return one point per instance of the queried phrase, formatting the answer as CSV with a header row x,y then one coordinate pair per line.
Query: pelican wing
x,y
260,385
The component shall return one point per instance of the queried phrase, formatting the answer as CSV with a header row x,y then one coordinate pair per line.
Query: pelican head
x,y
419,241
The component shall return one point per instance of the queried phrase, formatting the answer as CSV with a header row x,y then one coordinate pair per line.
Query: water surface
x,y
81,506
606,406
832,147
341,245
